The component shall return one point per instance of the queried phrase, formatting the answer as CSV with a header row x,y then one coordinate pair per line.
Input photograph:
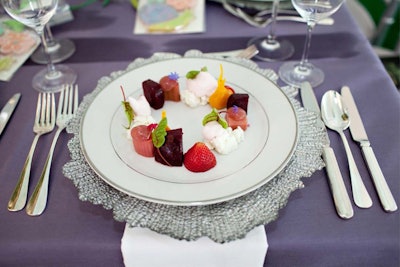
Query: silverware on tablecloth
x,y
44,123
247,53
262,23
8,110
67,107
339,193
258,21
334,114
360,135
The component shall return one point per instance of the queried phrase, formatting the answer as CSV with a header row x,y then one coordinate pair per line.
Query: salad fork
x,y
67,107
44,123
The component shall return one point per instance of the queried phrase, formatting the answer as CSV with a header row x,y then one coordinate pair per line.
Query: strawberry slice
x,y
199,158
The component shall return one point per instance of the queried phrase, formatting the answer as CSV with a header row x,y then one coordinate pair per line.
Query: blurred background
x,y
380,22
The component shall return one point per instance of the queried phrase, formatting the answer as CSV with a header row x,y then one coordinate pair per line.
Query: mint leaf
x,y
159,133
215,116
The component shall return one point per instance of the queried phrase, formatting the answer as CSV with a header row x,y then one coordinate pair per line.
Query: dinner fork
x,y
44,123
247,53
67,107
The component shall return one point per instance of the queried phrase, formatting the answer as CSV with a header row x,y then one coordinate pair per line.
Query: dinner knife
x,y
8,110
359,135
339,192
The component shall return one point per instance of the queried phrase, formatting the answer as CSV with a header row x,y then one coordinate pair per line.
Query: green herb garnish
x,y
193,73
159,133
128,110
215,116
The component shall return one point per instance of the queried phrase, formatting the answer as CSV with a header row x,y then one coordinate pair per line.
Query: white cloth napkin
x,y
142,247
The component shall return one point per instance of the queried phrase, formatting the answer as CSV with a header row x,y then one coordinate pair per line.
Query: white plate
x,y
268,146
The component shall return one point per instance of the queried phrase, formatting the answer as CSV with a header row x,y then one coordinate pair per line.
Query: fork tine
x,y
38,108
70,99
60,103
43,109
46,119
53,110
76,99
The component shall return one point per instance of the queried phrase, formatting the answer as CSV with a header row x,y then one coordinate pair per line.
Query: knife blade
x,y
8,110
338,189
359,135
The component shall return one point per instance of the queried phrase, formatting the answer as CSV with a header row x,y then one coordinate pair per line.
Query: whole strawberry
x,y
199,158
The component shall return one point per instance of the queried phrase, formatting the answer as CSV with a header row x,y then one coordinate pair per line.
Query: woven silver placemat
x,y
220,222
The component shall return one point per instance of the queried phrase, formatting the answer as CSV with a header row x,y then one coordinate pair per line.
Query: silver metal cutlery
x,y
258,20
359,135
338,189
44,123
247,53
67,107
8,110
334,114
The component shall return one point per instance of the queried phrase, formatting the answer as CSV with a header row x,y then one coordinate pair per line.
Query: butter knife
x,y
360,135
8,110
339,192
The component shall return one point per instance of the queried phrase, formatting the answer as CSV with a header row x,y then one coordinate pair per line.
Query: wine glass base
x,y
55,81
292,74
275,50
62,50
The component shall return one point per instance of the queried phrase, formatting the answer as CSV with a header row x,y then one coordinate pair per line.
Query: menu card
x,y
17,43
169,17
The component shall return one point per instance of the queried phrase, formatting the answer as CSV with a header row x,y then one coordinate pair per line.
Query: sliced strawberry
x,y
199,158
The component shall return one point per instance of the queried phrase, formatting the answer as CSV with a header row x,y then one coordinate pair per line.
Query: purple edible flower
x,y
235,109
173,76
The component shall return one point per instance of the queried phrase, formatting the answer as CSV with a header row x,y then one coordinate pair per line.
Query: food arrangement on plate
x,y
270,137
223,127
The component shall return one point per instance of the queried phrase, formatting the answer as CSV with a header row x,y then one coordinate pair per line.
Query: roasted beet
x,y
153,93
171,152
239,100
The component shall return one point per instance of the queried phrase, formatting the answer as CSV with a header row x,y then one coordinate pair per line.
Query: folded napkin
x,y
143,247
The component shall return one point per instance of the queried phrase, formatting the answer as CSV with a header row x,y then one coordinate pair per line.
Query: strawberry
x,y
199,158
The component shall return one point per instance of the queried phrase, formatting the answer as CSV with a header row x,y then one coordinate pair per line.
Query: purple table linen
x,y
308,231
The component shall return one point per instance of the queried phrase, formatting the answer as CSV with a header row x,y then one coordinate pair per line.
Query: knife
x,y
8,110
339,193
360,135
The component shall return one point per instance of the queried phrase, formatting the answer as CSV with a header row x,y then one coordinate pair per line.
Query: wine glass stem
x,y
304,57
48,35
271,35
51,70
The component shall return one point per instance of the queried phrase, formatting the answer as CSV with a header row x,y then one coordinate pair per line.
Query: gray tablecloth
x,y
307,233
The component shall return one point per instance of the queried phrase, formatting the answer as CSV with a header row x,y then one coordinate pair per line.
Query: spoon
x,y
334,115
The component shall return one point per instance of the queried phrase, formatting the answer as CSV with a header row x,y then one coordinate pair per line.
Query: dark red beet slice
x,y
153,93
171,152
239,100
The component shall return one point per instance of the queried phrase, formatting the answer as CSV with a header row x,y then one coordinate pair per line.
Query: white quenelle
x,y
222,140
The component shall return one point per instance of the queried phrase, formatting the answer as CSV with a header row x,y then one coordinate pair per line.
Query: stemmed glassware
x,y
36,14
271,48
294,73
59,49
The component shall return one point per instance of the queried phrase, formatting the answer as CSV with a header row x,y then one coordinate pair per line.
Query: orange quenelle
x,y
220,96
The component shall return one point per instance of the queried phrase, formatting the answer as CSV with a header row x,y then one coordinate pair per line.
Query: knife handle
x,y
386,197
339,193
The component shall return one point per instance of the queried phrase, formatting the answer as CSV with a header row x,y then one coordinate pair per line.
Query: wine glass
x,y
59,49
35,14
294,73
271,48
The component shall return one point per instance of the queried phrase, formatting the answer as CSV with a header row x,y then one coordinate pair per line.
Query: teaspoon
x,y
334,115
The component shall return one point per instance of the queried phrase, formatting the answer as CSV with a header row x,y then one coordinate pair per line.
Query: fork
x,y
67,107
44,123
247,53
